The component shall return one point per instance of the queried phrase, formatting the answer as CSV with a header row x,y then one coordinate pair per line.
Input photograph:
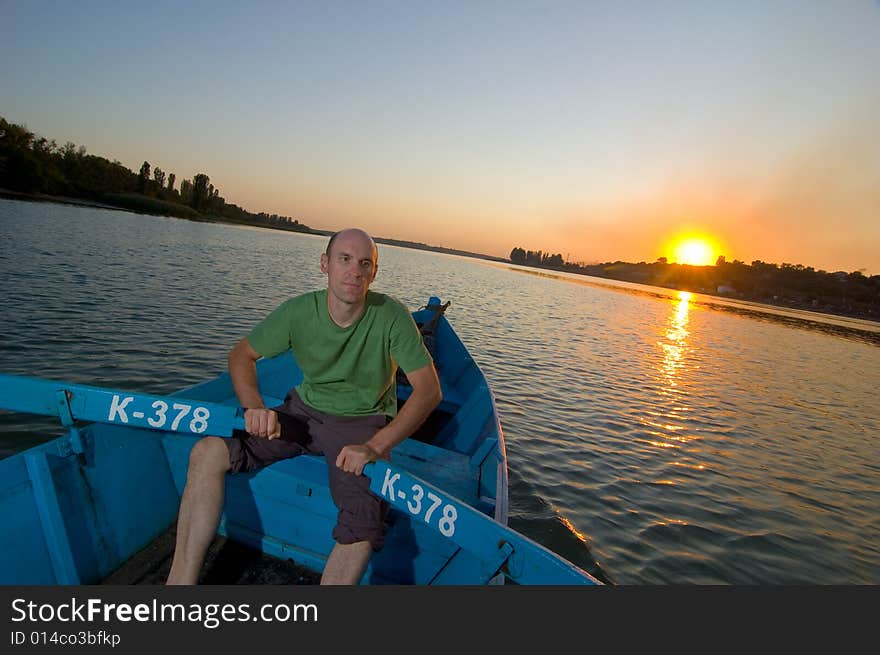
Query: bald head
x,y
356,236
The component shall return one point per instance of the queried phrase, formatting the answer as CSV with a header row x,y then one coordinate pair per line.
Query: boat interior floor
x,y
227,563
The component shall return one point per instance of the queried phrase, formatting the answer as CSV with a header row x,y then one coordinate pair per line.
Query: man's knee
x,y
209,455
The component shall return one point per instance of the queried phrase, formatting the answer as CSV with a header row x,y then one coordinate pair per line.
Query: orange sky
x,y
818,207
596,131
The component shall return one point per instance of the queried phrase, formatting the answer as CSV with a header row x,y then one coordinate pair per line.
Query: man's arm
x,y
259,421
426,395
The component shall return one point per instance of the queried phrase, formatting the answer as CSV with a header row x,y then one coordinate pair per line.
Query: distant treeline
x,y
417,245
789,285
34,165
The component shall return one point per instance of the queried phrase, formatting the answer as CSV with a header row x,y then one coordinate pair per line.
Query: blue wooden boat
x,y
79,509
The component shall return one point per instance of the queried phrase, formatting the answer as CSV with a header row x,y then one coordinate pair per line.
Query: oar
x,y
77,402
497,547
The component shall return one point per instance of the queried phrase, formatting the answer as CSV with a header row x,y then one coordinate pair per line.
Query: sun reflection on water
x,y
568,524
667,427
677,334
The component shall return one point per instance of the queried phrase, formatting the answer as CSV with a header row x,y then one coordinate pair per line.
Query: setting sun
x,y
693,250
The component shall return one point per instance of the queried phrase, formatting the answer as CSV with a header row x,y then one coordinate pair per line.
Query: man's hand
x,y
353,458
262,423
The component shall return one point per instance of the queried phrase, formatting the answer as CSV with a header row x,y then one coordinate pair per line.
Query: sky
x,y
602,131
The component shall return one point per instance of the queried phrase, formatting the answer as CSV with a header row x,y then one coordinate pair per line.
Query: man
x,y
349,342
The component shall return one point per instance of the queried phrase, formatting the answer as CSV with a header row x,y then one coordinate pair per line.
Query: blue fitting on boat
x,y
64,412
75,441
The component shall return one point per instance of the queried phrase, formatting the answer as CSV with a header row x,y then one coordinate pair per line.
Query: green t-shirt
x,y
346,371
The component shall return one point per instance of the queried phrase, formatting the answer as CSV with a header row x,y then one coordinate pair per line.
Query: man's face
x,y
350,267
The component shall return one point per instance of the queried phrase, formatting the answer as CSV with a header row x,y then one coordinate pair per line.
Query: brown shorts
x,y
306,430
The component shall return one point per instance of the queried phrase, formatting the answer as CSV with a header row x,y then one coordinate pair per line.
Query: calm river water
x,y
652,438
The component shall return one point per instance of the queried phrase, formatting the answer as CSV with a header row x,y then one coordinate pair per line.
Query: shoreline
x,y
58,200
82,202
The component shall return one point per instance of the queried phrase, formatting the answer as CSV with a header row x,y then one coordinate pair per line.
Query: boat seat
x,y
448,470
452,397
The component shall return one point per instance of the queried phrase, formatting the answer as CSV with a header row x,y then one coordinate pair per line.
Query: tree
x,y
44,147
144,177
534,257
22,171
186,189
200,191
159,176
552,260
16,137
68,151
171,181
517,256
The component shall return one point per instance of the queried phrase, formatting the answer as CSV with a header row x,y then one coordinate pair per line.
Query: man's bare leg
x,y
200,509
347,563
